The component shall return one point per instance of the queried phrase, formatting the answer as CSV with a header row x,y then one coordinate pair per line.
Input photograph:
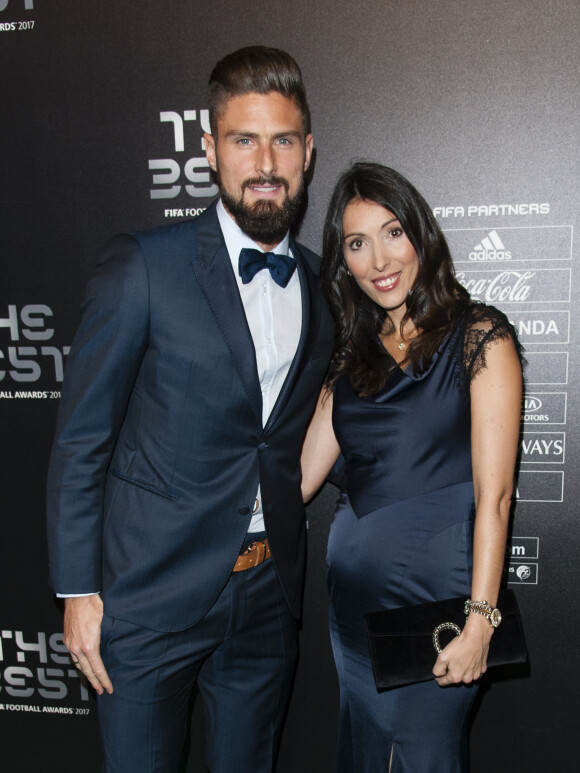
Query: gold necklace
x,y
402,344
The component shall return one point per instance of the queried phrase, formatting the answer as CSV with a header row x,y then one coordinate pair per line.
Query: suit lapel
x,y
304,345
213,269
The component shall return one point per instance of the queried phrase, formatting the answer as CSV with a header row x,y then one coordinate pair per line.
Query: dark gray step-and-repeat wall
x,y
103,105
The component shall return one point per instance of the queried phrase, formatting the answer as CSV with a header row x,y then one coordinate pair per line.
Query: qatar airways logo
x,y
517,286
543,447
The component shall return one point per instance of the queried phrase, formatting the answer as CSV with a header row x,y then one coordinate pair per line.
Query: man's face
x,y
260,156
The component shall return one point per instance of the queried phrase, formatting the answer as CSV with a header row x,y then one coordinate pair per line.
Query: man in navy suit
x,y
176,524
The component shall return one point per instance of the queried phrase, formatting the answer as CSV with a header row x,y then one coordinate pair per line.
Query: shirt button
x,y
244,510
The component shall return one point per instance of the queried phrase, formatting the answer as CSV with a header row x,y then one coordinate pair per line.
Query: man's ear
x,y
210,151
308,146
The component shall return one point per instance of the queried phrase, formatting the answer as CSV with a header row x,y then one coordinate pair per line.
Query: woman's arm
x,y
320,450
496,394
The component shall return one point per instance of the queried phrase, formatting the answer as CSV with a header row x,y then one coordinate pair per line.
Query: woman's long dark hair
x,y
433,304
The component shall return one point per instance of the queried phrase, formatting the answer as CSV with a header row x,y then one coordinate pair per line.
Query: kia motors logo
x,y
532,404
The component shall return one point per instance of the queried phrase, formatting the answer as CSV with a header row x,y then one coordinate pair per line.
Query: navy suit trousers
x,y
242,655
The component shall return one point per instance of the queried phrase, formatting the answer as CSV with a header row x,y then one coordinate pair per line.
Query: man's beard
x,y
265,222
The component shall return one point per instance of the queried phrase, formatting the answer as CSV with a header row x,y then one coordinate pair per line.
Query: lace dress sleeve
x,y
484,326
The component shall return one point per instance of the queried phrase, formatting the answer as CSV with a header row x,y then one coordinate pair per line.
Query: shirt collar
x,y
236,239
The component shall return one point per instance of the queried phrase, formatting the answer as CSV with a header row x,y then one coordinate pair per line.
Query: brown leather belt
x,y
256,553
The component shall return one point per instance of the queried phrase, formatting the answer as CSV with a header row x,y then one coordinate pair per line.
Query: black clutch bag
x,y
402,641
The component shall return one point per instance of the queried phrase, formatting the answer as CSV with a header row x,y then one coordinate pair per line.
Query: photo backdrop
x,y
103,108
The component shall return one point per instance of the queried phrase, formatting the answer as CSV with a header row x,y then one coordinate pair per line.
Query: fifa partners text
x,y
492,210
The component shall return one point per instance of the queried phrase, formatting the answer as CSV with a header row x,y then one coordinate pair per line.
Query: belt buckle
x,y
259,548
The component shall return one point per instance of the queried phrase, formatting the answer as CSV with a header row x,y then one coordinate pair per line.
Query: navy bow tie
x,y
252,261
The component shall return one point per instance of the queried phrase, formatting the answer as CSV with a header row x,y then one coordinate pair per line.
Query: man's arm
x,y
101,370
100,374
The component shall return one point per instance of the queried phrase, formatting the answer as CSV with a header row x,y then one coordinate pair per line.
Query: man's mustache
x,y
266,181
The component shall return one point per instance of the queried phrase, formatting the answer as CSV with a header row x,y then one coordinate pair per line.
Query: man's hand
x,y
82,637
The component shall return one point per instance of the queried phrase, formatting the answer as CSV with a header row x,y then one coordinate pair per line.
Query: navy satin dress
x,y
403,534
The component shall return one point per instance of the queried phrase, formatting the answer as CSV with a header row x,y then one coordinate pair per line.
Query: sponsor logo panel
x,y
546,368
522,573
544,408
511,285
543,448
541,327
540,486
524,547
501,245
522,566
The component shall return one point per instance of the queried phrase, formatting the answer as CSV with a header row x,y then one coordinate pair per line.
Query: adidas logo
x,y
490,248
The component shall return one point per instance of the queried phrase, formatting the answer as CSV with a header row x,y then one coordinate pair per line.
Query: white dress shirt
x,y
274,316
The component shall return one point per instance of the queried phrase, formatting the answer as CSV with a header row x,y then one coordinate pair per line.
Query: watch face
x,y
495,618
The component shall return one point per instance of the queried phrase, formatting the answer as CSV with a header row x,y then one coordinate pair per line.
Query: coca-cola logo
x,y
512,285
505,287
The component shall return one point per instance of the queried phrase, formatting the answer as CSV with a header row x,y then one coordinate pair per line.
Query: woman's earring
x,y
348,272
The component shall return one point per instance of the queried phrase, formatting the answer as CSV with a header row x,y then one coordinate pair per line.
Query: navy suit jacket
x,y
160,446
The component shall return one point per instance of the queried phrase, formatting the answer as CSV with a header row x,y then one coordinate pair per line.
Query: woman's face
x,y
379,255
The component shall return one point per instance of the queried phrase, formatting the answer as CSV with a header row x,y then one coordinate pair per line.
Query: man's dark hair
x,y
259,70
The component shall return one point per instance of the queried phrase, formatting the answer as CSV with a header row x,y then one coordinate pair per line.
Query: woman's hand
x,y
464,659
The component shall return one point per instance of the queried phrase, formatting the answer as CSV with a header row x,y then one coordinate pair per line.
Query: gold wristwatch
x,y
485,609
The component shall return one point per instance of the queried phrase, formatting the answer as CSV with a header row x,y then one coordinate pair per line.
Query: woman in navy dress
x,y
423,399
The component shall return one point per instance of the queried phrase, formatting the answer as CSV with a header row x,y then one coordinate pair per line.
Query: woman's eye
x,y
394,232
355,244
